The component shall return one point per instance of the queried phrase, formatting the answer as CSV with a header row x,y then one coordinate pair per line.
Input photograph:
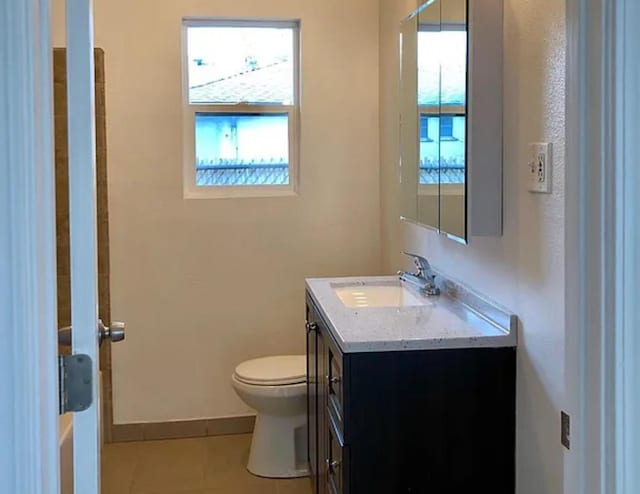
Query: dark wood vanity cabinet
x,y
325,411
421,421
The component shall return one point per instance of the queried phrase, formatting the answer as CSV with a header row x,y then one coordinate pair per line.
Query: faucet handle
x,y
424,268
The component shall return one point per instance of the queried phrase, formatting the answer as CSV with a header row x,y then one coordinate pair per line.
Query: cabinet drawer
x,y
335,457
335,382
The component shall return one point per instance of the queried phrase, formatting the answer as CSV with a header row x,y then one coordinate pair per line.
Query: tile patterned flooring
x,y
208,465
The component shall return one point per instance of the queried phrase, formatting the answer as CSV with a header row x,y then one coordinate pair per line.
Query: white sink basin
x,y
377,295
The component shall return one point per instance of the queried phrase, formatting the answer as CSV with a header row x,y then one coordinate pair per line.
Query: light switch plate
x,y
540,166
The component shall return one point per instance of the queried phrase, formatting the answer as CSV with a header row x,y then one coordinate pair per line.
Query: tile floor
x,y
211,465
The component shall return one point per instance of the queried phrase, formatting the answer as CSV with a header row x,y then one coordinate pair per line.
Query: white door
x,y
83,234
28,369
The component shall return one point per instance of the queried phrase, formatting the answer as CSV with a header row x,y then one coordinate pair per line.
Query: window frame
x,y
190,189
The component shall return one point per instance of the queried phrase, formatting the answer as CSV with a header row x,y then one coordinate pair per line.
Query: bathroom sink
x,y
377,295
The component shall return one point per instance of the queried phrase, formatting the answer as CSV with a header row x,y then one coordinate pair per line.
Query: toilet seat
x,y
280,370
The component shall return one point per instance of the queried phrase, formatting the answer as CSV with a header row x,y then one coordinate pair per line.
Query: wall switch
x,y
540,166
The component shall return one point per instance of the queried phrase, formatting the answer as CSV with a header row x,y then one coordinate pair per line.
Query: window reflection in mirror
x,y
442,88
441,99
451,117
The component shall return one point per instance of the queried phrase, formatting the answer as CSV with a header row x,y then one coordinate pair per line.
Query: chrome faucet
x,y
424,278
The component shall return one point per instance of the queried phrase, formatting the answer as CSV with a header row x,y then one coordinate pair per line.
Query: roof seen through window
x,y
442,62
230,65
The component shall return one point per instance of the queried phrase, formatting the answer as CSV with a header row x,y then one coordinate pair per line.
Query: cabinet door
x,y
335,457
316,401
312,397
323,419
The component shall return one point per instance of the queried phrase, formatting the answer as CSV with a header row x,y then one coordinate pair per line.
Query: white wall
x,y
524,269
205,284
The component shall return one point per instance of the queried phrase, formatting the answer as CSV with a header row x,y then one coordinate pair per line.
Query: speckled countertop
x,y
444,321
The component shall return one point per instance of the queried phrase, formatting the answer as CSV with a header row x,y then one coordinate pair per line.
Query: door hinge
x,y
75,377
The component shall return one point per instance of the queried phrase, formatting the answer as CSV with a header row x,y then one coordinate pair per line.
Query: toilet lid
x,y
273,371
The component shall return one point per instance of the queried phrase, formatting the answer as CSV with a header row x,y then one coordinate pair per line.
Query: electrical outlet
x,y
565,430
540,166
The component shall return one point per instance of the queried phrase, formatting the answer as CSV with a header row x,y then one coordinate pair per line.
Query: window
x,y
442,85
442,148
424,129
446,129
241,107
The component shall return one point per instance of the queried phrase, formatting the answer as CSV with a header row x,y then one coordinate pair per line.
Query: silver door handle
x,y
114,333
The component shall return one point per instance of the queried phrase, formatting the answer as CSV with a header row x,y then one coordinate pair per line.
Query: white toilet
x,y
276,387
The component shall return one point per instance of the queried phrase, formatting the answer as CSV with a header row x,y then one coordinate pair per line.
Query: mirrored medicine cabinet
x,y
451,117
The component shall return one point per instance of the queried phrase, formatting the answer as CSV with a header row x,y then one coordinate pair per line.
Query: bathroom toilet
x,y
276,388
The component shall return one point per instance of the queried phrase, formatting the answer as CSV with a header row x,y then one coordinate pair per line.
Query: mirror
x,y
435,92
409,120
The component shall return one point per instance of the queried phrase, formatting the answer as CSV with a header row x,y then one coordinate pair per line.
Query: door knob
x,y
114,333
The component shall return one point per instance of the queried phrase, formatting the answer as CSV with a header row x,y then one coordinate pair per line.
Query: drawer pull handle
x,y
332,464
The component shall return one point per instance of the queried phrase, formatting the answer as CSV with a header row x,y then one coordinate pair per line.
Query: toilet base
x,y
279,447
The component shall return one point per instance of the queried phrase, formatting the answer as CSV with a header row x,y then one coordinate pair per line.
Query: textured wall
x,y
206,284
524,269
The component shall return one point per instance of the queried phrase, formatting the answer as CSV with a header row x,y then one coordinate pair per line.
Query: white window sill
x,y
441,190
238,192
